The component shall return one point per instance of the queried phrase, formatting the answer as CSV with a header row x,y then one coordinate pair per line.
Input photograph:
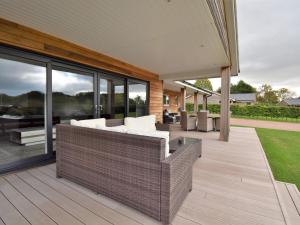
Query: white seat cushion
x,y
143,123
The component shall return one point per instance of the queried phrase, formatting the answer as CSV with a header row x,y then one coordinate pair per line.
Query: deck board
x,y
232,184
32,213
56,213
9,214
81,213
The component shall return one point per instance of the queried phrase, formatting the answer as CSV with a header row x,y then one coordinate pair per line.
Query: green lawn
x,y
283,152
290,120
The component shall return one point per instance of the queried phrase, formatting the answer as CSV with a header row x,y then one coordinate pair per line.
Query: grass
x,y
283,152
283,119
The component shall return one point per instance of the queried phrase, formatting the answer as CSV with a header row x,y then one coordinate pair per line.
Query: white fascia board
x,y
232,32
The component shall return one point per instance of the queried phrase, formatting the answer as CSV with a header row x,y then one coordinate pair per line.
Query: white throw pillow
x,y
121,129
143,123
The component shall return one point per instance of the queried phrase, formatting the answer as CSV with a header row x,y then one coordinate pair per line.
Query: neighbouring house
x,y
243,98
214,98
291,102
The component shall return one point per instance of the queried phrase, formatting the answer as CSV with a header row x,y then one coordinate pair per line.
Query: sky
x,y
17,78
269,43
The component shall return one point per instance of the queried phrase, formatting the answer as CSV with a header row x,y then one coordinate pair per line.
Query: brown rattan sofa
x,y
129,168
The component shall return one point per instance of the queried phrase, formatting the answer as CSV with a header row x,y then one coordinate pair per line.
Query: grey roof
x,y
244,97
292,101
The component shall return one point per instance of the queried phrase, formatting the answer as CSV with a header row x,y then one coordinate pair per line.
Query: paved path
x,y
266,124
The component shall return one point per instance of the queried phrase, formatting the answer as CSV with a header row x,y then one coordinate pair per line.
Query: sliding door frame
x,y
24,57
107,76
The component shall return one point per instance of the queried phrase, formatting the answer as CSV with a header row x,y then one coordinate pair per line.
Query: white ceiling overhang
x,y
176,39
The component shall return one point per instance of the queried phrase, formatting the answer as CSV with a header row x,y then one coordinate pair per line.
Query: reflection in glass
x,y
22,110
72,96
137,92
166,100
112,102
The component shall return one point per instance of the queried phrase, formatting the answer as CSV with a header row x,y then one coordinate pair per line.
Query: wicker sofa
x,y
131,169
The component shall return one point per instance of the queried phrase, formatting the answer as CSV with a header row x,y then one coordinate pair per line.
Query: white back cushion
x,y
92,123
143,123
160,134
121,129
75,123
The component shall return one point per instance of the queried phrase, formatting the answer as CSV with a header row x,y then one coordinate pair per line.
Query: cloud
x,y
71,83
269,43
17,78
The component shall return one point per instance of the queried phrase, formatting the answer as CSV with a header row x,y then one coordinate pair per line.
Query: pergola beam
x,y
225,104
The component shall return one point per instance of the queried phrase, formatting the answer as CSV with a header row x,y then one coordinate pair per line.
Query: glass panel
x,y
72,96
105,98
166,100
112,102
22,110
137,93
119,99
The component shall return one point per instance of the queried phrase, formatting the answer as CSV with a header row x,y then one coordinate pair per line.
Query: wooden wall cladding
x,y
156,99
173,105
20,36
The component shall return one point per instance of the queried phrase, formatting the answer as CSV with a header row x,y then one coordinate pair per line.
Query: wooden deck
x,y
232,185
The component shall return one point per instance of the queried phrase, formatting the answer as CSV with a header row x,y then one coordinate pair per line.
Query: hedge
x,y
254,110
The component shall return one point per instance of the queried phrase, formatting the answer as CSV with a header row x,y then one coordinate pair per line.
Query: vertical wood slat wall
x,y
17,35
173,105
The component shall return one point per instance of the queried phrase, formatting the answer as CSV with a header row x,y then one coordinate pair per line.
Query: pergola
x,y
174,40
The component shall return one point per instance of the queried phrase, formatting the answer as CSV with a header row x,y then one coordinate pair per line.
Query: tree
x,y
267,95
242,87
204,83
284,93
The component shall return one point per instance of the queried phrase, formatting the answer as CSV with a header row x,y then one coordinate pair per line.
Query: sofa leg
x,y
190,189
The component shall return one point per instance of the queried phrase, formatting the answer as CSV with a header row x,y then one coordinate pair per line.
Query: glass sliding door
x,y
137,98
111,97
72,96
22,110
